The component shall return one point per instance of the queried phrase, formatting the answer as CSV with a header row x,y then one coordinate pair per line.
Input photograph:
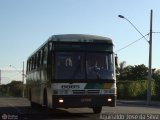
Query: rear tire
x,y
30,99
97,110
45,102
30,96
33,104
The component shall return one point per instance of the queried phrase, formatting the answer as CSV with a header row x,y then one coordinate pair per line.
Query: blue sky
x,y
25,25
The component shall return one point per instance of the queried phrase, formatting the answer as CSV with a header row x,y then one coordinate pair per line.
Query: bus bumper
x,y
71,101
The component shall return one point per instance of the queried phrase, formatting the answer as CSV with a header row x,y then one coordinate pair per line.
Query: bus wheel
x,y
33,105
45,102
30,99
97,110
29,95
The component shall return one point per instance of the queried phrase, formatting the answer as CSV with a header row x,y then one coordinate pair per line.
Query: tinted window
x,y
70,65
99,65
77,65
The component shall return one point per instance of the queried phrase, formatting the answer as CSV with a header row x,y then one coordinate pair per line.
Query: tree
x,y
15,88
128,72
136,72
3,90
139,72
120,70
156,77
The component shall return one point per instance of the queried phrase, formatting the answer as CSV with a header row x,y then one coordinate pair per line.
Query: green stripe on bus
x,y
98,86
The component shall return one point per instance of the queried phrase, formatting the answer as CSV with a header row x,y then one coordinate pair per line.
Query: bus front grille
x,y
81,92
93,91
78,92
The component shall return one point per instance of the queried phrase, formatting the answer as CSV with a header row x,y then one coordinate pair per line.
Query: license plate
x,y
86,100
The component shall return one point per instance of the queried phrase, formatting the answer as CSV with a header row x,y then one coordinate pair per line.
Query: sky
x,y
25,25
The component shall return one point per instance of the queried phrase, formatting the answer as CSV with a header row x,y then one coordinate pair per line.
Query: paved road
x,y
19,108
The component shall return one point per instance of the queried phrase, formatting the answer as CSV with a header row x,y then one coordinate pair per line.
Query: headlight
x,y
61,100
109,99
108,91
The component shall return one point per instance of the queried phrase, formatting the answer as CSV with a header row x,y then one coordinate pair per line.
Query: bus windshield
x,y
79,65
70,65
99,65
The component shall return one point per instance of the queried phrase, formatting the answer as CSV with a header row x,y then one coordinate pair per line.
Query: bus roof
x,y
75,38
80,38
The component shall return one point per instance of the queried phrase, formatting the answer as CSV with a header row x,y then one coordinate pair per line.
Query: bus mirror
x,y
116,60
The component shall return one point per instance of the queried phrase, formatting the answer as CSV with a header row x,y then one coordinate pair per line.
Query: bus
x,y
72,71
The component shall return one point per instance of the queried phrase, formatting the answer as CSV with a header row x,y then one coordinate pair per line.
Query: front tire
x,y
97,110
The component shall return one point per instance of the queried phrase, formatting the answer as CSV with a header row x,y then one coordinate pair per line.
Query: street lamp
x,y
150,54
121,16
23,75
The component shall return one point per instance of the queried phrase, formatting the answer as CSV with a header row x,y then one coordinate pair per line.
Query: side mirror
x,y
117,65
116,61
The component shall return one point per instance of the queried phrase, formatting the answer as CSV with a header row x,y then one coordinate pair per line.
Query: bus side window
x,y
32,63
27,66
50,46
45,55
35,62
49,54
41,58
38,59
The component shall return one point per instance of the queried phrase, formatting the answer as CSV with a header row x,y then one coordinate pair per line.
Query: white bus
x,y
72,70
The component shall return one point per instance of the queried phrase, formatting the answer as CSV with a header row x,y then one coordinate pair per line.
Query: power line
x,y
134,42
5,70
131,43
155,32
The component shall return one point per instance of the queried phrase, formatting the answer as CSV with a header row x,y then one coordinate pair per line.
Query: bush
x,y
134,89
13,89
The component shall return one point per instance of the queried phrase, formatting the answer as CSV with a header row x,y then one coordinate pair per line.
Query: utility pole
x,y
23,81
150,55
150,62
0,76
